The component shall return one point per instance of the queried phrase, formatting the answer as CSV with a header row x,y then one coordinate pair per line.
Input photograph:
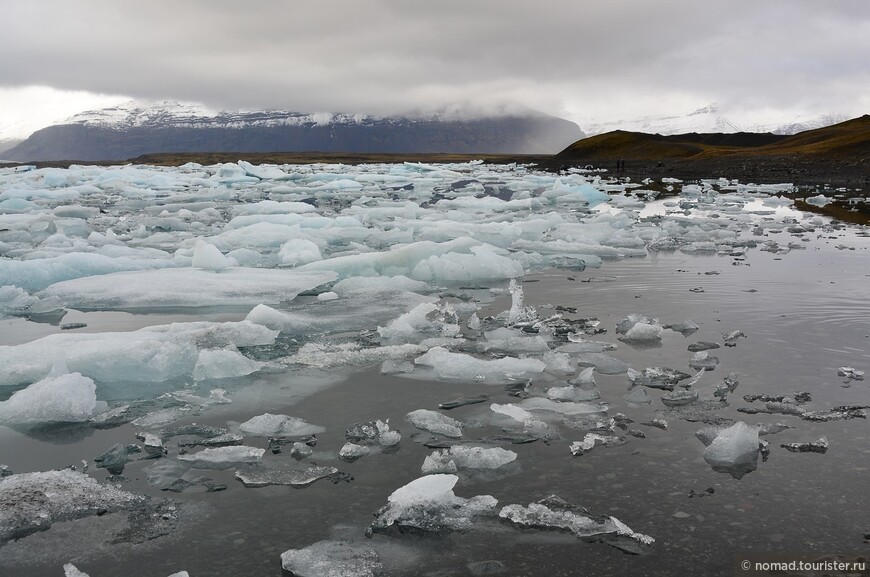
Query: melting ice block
x,y
223,364
33,501
185,287
449,365
435,422
269,425
223,457
465,457
332,559
69,398
152,354
555,513
461,260
428,504
733,449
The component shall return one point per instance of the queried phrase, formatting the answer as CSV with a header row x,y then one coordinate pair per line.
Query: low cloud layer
x,y
603,59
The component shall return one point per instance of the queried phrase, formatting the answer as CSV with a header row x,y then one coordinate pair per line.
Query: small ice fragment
x,y
734,449
818,446
703,361
702,346
679,398
435,422
223,457
296,478
555,513
462,401
850,373
731,338
638,396
327,296
350,452
591,439
643,333
269,425
604,364
332,559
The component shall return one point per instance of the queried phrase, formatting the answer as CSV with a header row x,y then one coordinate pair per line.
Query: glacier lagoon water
x,y
726,256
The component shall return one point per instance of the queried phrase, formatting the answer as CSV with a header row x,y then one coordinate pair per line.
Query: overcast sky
x,y
577,59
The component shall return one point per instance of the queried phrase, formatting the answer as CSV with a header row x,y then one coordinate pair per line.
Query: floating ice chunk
x,y
604,364
70,570
519,312
373,433
161,417
428,504
152,354
332,559
69,398
299,251
269,425
460,260
223,457
850,373
638,396
734,449
38,273
679,398
514,412
703,361
514,341
263,172
554,513
643,333
223,364
435,422
541,404
296,478
558,363
208,257
327,296
465,457
15,300
819,200
657,378
626,324
591,439
350,452
448,365
116,458
327,355
413,325
572,393
33,501
818,446
685,328
172,288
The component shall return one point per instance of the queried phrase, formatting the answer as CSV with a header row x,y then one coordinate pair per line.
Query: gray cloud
x,y
397,55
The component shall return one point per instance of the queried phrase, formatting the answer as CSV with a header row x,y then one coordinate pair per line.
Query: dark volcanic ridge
x,y
838,155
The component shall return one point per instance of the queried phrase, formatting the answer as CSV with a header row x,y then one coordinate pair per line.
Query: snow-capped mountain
x,y
710,119
132,129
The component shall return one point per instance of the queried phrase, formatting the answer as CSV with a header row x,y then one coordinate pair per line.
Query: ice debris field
x,y
268,274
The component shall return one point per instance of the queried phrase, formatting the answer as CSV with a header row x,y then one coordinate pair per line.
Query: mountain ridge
x,y
128,130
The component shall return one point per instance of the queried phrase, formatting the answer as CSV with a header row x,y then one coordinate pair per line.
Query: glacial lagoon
x,y
239,345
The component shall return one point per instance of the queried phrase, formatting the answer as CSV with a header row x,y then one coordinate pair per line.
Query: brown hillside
x,y
850,139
